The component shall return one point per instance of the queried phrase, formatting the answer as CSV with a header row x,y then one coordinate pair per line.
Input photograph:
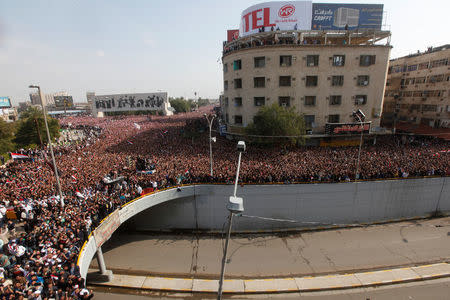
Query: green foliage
x,y
181,105
202,102
6,138
31,128
275,121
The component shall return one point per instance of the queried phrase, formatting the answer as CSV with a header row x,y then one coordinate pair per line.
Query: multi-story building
x,y
49,98
418,89
324,74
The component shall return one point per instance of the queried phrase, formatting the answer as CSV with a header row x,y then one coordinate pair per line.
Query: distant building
x,y
49,98
418,89
9,114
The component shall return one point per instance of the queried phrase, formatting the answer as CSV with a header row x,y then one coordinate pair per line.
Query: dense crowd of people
x,y
98,174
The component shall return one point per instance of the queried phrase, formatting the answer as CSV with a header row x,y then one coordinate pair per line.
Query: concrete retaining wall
x,y
203,207
337,203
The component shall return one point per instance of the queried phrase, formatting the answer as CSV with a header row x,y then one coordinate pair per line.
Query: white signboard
x,y
104,231
284,15
127,212
130,102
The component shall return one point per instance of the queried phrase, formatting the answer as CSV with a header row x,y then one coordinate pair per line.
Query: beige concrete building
x,y
9,114
325,75
418,89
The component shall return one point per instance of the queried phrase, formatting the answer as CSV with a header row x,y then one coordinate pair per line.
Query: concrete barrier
x,y
306,205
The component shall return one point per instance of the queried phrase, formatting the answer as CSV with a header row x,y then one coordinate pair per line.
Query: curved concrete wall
x,y
203,207
335,203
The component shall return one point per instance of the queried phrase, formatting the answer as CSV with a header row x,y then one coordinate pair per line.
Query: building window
x,y
412,68
284,101
335,100
311,80
338,60
285,80
362,80
333,119
237,65
423,66
285,60
259,82
225,68
238,101
420,80
226,118
238,83
429,107
435,78
225,85
312,60
259,101
360,99
260,62
337,80
439,63
309,120
310,100
226,101
238,119
366,60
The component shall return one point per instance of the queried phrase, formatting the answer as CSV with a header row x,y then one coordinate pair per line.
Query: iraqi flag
x,y
18,156
77,192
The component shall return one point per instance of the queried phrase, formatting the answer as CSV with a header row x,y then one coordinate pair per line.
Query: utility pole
x,y
55,168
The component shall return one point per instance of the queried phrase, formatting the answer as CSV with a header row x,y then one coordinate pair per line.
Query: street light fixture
x,y
235,205
360,116
55,169
210,122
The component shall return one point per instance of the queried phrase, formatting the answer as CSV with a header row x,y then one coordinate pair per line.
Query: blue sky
x,y
145,46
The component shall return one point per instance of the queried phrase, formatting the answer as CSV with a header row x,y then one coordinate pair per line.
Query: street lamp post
x,y
235,205
55,169
210,141
359,115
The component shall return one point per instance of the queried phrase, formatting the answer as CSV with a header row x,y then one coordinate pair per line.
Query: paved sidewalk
x,y
282,285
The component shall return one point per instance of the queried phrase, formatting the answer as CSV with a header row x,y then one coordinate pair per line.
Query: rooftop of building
x,y
308,38
428,51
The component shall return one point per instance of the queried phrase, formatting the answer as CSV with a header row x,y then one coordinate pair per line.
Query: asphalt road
x,y
431,290
250,256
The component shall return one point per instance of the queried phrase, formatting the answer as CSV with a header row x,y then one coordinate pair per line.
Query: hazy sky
x,y
112,46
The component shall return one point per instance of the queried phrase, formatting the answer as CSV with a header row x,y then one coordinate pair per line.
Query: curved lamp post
x,y
55,169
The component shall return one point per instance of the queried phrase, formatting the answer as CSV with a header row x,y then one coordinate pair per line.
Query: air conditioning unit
x,y
365,83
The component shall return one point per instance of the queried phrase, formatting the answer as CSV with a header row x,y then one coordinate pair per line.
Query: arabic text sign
x,y
127,102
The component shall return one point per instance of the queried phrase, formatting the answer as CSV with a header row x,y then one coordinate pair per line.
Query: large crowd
x,y
98,174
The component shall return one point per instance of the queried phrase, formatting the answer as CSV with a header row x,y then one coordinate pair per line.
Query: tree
x,y
31,128
202,102
180,104
276,121
6,137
